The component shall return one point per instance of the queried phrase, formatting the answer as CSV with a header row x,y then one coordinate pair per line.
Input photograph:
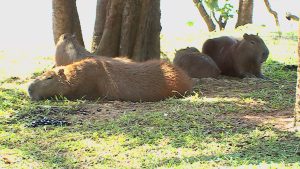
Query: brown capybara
x,y
195,63
112,79
238,58
68,50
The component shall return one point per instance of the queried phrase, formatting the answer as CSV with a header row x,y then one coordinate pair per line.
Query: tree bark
x,y
274,13
209,22
219,21
128,28
65,19
130,17
297,105
245,12
147,44
99,23
110,41
292,17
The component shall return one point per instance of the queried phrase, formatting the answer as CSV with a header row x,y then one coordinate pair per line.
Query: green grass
x,y
207,129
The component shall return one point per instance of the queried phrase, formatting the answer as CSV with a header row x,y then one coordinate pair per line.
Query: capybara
x,y
195,63
112,79
68,50
238,58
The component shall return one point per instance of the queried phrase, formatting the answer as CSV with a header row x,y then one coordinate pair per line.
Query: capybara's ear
x,y
245,36
64,36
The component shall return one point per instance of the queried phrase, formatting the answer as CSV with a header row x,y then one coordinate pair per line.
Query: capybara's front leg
x,y
257,71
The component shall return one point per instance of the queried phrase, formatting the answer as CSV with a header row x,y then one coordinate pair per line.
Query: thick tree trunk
x,y
110,41
209,22
274,13
99,23
297,105
65,19
147,45
128,28
245,12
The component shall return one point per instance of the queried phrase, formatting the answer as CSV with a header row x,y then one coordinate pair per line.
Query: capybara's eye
x,y
48,78
252,42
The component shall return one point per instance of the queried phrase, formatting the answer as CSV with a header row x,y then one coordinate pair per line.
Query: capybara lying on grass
x,y
112,79
239,58
196,64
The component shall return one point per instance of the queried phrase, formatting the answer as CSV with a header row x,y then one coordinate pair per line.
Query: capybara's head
x,y
64,41
66,49
187,50
66,37
254,46
51,83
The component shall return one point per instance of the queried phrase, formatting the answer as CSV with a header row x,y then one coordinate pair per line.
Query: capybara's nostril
x,y
266,53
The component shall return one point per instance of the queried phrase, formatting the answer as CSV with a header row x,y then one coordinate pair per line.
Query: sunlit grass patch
x,y
206,129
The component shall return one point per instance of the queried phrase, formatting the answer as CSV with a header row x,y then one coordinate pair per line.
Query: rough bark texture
x,y
131,15
297,105
209,22
110,41
274,13
147,44
66,19
99,23
245,12
128,28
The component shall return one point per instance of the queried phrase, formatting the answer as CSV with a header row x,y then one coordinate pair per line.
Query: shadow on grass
x,y
198,129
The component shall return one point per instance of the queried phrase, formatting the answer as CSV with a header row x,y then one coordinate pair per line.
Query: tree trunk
x,y
219,21
128,28
292,17
245,12
297,105
65,19
274,13
209,22
99,23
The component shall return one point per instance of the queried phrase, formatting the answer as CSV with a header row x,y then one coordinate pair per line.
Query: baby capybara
x,y
238,58
112,79
196,64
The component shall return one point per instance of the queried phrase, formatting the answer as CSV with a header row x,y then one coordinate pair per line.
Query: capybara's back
x,y
112,79
196,64
238,57
147,81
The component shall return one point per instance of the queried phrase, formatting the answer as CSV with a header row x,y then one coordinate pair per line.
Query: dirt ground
x,y
222,87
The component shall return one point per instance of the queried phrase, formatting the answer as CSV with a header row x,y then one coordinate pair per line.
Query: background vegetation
x,y
228,122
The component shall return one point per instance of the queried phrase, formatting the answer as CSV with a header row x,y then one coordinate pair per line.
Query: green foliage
x,y
221,12
190,23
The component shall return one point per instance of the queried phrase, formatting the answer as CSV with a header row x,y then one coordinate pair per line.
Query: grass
x,y
210,128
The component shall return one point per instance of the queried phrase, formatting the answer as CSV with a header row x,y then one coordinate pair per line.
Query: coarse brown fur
x,y
238,58
195,63
112,79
